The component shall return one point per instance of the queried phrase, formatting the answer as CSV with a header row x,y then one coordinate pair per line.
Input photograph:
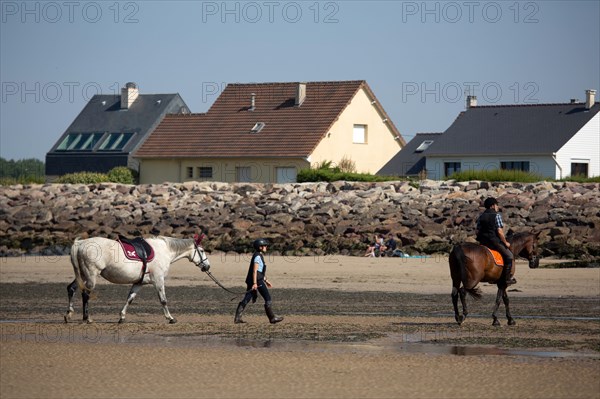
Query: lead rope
x,y
213,278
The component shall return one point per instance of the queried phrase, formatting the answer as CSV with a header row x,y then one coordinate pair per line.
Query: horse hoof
x,y
512,322
496,323
67,318
172,321
121,321
88,321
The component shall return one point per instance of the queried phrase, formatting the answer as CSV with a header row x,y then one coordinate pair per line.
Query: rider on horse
x,y
491,234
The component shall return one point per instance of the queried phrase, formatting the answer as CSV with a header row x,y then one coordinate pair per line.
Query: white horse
x,y
102,256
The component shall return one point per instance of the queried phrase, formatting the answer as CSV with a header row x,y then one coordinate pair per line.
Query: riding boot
x,y
510,280
272,318
238,313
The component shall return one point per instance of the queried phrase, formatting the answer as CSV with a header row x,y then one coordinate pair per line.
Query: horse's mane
x,y
177,245
518,236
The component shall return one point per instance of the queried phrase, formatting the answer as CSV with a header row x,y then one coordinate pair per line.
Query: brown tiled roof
x,y
225,130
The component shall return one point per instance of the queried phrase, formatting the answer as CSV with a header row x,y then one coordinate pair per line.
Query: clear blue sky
x,y
418,57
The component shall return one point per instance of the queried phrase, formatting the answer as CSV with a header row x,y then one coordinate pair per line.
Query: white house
x,y
553,140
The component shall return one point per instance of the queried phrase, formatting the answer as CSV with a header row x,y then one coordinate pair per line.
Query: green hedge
x,y
326,172
120,174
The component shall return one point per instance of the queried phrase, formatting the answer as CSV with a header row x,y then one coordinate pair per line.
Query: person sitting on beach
x,y
374,249
390,245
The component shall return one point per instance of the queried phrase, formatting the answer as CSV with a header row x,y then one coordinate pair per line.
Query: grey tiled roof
x,y
409,162
513,129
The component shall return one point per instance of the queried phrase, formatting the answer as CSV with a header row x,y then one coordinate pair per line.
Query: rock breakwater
x,y
299,219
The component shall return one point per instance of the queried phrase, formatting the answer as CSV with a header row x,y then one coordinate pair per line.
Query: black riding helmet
x,y
261,242
489,202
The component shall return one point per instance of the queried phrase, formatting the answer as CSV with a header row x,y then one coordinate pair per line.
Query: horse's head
x,y
199,257
525,245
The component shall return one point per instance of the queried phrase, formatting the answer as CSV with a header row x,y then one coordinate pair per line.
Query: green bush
x,y
11,181
121,174
582,179
83,178
498,175
325,172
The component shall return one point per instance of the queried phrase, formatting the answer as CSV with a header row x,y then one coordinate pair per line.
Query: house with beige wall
x,y
267,132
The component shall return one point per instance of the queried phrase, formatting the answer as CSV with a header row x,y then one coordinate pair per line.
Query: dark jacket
x,y
487,232
259,276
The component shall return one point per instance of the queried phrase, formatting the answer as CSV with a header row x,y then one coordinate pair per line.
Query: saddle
x,y
139,250
136,249
496,255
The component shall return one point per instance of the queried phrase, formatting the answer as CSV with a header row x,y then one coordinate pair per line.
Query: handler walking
x,y
256,280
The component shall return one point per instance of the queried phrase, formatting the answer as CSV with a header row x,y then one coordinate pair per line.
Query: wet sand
x,y
354,327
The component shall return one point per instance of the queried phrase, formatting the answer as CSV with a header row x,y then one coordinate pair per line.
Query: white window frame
x,y
359,134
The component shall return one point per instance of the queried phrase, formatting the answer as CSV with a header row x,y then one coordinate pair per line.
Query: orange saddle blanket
x,y
497,257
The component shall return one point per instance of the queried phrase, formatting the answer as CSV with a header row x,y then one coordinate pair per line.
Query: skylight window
x,y
80,142
257,127
115,141
424,145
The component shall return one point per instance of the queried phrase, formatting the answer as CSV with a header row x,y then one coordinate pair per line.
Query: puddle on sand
x,y
129,334
381,346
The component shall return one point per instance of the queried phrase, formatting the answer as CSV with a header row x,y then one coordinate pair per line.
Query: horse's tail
x,y
75,262
462,259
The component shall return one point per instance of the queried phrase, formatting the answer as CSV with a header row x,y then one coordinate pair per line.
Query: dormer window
x,y
257,127
424,145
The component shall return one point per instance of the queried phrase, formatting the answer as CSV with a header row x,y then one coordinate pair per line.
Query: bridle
x,y
203,264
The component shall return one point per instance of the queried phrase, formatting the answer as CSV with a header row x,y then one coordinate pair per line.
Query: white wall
x,y
584,147
368,157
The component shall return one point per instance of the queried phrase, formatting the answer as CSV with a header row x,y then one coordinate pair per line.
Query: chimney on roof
x,y
471,101
590,98
300,94
128,95
574,101
252,102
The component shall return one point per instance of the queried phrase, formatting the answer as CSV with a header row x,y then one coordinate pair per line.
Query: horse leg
x,y
85,296
132,294
162,297
86,292
511,321
499,295
463,300
459,319
71,288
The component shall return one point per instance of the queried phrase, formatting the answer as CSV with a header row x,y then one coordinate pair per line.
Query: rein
x,y
213,278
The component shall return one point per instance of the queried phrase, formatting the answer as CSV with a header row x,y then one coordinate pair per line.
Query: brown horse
x,y
471,263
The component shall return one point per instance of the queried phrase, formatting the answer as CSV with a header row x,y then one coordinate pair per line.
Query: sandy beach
x,y
354,327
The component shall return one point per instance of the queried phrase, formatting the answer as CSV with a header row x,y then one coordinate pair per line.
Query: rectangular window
x,y
579,169
115,141
450,168
286,175
80,142
359,134
515,165
205,172
189,172
242,174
